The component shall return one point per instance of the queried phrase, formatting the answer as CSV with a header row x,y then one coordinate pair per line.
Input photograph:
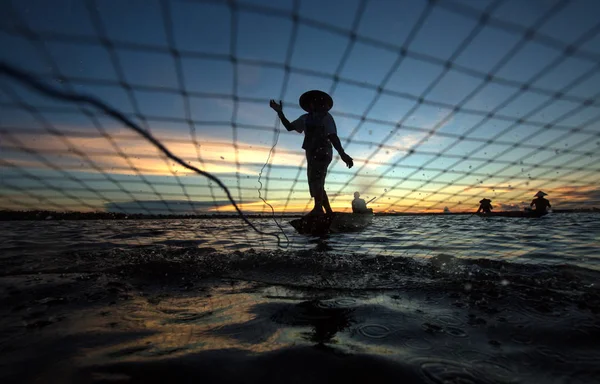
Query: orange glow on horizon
x,y
219,159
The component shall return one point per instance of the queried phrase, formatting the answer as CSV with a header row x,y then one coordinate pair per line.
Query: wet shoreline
x,y
155,315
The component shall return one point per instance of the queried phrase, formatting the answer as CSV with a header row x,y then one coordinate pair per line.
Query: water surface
x,y
554,239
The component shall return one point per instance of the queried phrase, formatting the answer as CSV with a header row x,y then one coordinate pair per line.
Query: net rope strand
x,y
168,26
276,130
284,87
31,82
100,29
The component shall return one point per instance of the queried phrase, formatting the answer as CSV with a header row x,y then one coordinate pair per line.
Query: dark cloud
x,y
512,207
583,195
570,198
164,206
575,198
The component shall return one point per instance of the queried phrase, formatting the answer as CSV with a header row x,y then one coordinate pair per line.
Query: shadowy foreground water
x,y
153,315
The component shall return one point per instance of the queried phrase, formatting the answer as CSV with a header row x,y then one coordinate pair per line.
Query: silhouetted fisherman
x,y
359,205
320,133
541,204
485,206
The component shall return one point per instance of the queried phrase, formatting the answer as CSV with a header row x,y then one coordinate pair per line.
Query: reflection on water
x,y
556,238
273,334
161,313
519,341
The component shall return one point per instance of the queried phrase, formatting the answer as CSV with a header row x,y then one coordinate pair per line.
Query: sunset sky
x,y
427,97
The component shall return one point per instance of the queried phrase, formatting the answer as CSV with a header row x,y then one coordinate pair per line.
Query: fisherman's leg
x,y
319,194
318,181
322,174
326,204
318,208
309,176
312,175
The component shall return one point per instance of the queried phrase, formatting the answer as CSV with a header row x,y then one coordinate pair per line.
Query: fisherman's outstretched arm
x,y
279,109
286,123
335,141
337,144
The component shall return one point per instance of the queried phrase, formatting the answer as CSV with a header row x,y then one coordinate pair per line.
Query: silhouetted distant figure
x,y
320,133
485,206
541,204
359,205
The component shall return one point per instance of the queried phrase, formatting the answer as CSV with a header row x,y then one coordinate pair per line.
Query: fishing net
x,y
161,107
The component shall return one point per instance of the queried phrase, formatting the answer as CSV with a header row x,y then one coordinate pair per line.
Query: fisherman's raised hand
x,y
276,107
347,159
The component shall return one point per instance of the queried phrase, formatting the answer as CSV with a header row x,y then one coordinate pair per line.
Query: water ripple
x,y
557,239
